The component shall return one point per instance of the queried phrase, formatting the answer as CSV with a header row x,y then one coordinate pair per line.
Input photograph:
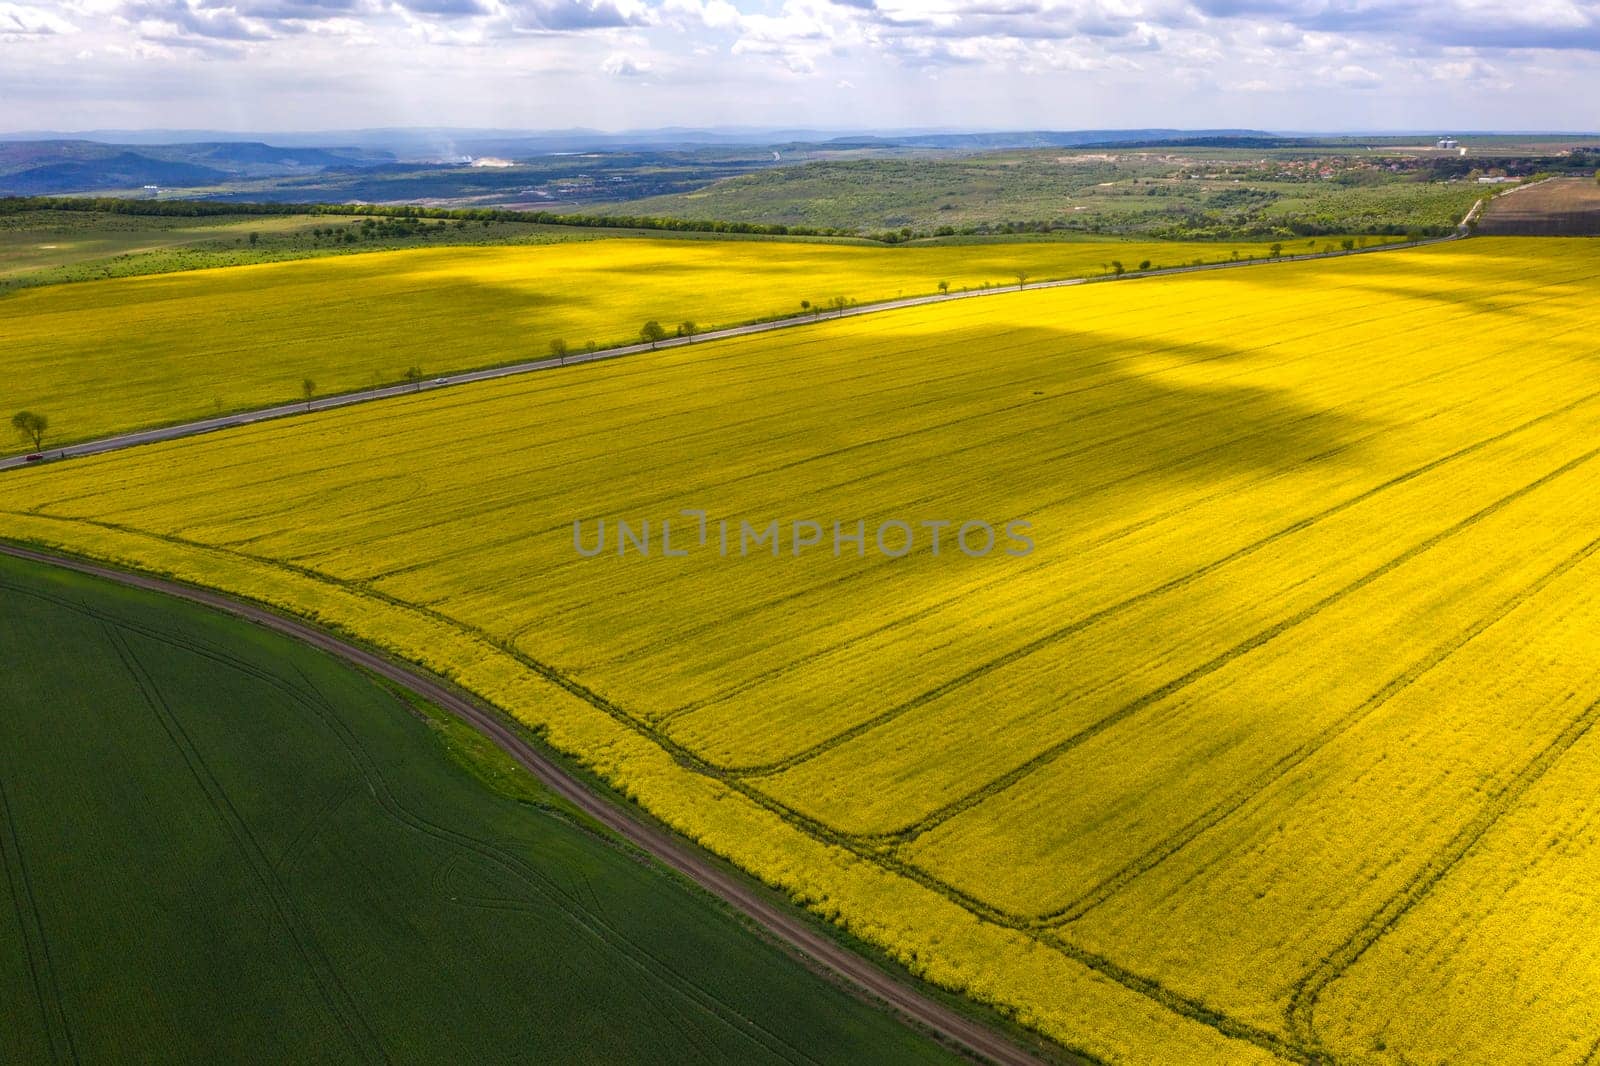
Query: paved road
x,y
328,403
661,844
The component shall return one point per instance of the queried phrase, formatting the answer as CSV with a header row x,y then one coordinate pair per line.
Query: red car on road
x,y
35,458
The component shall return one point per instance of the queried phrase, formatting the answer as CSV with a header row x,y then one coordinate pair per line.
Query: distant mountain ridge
x,y
50,166
45,167
125,170
436,143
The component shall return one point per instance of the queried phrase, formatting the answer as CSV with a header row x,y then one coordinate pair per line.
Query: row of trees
x,y
209,208
651,333
402,221
32,427
654,332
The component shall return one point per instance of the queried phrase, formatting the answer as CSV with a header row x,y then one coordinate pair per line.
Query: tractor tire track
x,y
35,942
1219,813
879,565
1238,651
659,974
1078,625
337,999
1300,1013
1110,381
312,699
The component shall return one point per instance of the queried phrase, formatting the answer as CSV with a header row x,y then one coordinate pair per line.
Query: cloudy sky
x,y
615,64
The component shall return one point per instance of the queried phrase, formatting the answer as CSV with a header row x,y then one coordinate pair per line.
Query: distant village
x,y
1442,160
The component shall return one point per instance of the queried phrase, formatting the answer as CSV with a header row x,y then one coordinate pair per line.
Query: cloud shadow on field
x,y
1502,303
1051,434
1047,426
1085,417
1038,428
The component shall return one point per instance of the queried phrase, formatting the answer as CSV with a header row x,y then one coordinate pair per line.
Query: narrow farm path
x,y
659,843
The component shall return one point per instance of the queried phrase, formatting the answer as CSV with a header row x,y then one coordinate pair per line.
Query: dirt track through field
x,y
659,843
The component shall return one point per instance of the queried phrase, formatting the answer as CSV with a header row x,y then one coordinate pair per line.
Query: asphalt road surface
x,y
328,403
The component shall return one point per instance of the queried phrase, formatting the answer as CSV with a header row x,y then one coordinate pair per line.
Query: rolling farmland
x,y
53,244
1278,746
40,247
127,353
220,845
1132,192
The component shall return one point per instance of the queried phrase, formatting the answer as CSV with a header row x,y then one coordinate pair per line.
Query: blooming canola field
x,y
1277,744
107,356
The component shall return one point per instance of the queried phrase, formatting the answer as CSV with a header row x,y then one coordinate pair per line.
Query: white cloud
x,y
619,65
574,16
1355,76
713,14
1056,63
22,21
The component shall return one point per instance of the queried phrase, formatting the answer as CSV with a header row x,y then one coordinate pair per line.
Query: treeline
x,y
1190,224
206,209
1192,227
1301,226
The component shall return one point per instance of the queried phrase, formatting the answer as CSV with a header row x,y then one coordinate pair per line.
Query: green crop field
x,y
221,846
48,246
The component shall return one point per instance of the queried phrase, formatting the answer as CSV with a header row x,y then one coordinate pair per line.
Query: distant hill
x,y
38,168
254,153
125,170
1042,139
442,144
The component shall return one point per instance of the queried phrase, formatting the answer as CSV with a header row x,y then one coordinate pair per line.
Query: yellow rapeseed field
x,y
101,357
1276,746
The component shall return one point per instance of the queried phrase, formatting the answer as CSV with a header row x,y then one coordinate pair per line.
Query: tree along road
x,y
657,842
327,403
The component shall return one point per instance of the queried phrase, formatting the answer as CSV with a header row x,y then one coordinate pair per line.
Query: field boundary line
x,y
591,922
844,449
567,899
1075,390
1202,1013
1140,985
665,982
1193,1010
661,844
238,419
977,907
